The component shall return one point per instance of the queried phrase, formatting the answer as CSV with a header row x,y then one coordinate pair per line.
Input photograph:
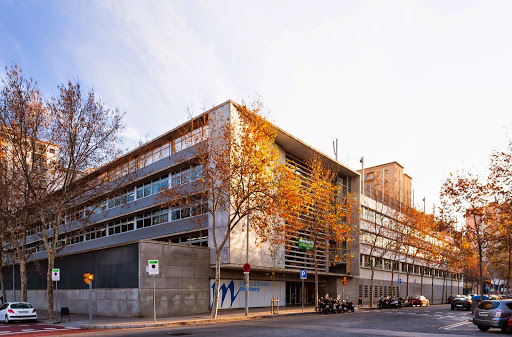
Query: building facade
x,y
115,235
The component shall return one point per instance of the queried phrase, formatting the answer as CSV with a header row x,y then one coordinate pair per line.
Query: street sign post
x,y
153,267
56,278
55,275
153,270
303,276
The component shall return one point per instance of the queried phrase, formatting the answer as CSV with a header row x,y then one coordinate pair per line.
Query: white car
x,y
17,311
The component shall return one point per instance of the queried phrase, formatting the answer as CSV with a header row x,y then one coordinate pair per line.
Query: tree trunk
x,y
451,283
509,265
372,295
421,282
316,275
392,279
480,267
49,283
443,294
2,279
432,286
215,305
23,280
407,287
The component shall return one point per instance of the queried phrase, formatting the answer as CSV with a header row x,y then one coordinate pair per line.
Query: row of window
x,y
143,220
386,264
182,176
379,291
387,222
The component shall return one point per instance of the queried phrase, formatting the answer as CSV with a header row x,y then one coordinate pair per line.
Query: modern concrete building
x,y
115,235
388,179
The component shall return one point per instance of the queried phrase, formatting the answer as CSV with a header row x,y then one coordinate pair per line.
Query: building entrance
x,y
294,291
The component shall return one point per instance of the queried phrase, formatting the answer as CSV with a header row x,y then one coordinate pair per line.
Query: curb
x,y
188,322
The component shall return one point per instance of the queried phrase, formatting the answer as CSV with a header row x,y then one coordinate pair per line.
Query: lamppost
x,y
247,274
362,175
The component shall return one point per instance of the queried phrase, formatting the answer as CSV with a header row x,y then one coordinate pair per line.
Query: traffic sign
x,y
246,268
303,274
55,274
153,267
399,281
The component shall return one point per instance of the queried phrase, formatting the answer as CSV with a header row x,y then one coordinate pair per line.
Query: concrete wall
x,y
183,283
106,302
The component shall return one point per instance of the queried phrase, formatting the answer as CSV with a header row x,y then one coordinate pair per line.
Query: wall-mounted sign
x,y
305,244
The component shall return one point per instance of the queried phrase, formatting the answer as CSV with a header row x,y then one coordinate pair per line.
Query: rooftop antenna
x,y
335,148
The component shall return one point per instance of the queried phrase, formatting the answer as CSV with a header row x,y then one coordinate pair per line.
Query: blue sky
x,y
425,83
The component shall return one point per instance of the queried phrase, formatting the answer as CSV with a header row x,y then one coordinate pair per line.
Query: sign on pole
x,y
153,267
305,244
399,281
303,274
55,274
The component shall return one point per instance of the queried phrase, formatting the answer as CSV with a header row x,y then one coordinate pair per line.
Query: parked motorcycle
x,y
348,306
383,303
321,306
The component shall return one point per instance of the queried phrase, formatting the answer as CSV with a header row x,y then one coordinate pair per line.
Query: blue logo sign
x,y
399,281
303,274
223,291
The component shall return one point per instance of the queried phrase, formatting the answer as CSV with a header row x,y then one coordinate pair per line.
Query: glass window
x,y
130,196
155,188
164,217
147,222
176,178
175,213
140,192
486,305
185,176
185,212
164,183
147,190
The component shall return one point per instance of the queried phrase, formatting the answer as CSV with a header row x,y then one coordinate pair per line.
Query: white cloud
x,y
423,83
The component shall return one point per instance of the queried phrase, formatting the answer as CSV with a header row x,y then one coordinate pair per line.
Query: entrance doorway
x,y
294,291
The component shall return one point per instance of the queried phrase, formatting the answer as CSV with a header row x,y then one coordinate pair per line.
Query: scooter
x,y
395,303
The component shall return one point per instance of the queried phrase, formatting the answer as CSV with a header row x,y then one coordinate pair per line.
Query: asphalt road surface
x,y
436,320
34,329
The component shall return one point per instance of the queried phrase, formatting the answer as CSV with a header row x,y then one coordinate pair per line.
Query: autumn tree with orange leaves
x,y
243,179
465,195
500,181
326,214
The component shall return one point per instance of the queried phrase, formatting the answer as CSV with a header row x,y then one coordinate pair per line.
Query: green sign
x,y
305,244
153,261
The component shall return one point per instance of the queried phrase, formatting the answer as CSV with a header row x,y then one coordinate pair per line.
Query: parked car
x,y
17,311
493,314
422,301
507,328
451,297
462,302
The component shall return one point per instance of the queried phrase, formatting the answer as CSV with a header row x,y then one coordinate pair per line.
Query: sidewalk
x,y
104,322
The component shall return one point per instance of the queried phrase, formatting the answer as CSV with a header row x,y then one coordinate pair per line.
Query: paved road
x,y
436,320
34,329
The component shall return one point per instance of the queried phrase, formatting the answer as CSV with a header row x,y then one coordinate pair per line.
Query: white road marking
x,y
455,325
